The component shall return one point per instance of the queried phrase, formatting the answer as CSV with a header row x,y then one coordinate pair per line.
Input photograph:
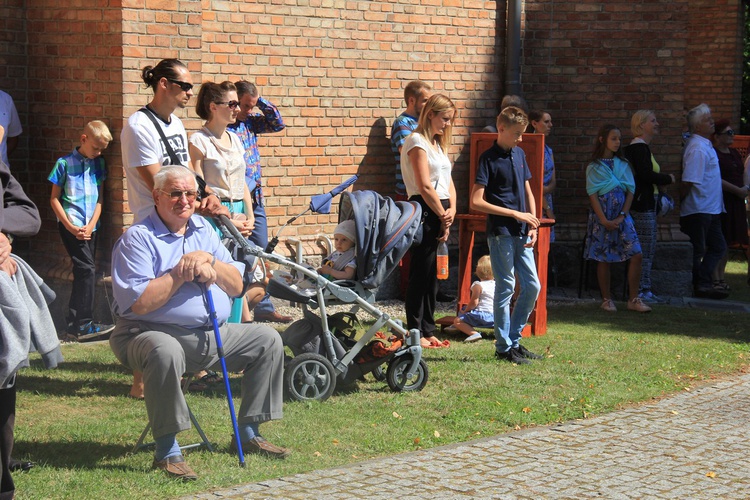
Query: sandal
x,y
211,377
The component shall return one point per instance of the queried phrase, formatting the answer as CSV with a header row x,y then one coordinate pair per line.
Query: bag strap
x,y
173,160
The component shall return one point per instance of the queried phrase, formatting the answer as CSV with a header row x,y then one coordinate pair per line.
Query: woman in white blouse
x,y
216,154
426,168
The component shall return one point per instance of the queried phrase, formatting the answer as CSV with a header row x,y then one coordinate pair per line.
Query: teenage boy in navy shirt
x,y
501,189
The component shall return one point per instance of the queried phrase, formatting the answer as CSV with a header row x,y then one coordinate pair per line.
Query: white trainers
x,y
474,337
609,305
637,305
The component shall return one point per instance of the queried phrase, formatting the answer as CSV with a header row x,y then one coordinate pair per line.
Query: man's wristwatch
x,y
623,214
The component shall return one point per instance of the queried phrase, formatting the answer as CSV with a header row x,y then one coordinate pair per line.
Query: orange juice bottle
x,y
442,261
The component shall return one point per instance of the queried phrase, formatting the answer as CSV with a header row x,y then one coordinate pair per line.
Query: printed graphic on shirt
x,y
177,142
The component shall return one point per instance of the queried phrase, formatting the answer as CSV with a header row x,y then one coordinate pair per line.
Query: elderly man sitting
x,y
159,268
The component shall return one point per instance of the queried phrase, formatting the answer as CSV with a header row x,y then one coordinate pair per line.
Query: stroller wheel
x,y
308,377
379,373
396,374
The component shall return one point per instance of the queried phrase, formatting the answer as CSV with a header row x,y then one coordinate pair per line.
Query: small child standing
x,y
478,312
502,190
76,199
610,234
341,264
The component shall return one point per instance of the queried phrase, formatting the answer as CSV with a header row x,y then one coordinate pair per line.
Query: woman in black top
x,y
647,175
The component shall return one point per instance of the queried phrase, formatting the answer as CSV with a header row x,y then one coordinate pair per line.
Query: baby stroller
x,y
385,230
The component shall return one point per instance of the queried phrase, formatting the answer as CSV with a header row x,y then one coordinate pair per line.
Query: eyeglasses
x,y
176,195
730,133
230,104
186,87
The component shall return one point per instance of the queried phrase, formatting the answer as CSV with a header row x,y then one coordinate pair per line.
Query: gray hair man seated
x,y
159,268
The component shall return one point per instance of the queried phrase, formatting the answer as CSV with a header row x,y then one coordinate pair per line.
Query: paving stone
x,y
662,449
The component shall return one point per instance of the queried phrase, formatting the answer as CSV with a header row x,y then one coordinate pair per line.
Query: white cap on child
x,y
347,230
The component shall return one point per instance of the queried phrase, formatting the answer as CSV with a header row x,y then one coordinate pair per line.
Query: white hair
x,y
696,114
171,172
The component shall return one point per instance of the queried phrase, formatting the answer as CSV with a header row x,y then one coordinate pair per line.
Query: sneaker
x,y
637,305
474,337
526,353
176,467
93,330
513,356
609,305
650,298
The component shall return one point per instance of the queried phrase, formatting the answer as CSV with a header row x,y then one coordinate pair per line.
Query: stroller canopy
x,y
386,229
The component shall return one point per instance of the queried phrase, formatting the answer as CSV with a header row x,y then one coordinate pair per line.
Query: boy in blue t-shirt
x,y
77,185
501,189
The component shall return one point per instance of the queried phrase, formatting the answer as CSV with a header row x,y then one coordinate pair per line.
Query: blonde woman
x,y
426,169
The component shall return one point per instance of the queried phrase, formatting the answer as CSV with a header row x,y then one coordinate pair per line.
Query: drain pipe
x,y
513,49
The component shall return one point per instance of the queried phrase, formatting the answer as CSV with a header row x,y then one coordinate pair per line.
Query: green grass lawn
x,y
78,425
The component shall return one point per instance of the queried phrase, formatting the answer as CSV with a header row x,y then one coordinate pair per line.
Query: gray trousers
x,y
165,352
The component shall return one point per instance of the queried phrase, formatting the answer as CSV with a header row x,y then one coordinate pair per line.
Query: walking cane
x,y
220,351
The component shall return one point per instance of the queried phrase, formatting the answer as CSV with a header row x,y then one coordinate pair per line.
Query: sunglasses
x,y
730,133
176,195
230,104
186,87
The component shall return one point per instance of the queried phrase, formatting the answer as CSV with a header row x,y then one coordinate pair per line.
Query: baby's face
x,y
342,243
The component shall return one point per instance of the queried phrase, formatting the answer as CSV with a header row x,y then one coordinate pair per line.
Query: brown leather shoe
x,y
176,467
260,446
272,317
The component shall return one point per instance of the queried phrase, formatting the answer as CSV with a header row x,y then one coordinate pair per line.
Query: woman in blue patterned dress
x,y
611,233
541,123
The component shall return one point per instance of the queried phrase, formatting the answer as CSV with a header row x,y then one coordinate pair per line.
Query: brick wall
x,y
592,62
336,70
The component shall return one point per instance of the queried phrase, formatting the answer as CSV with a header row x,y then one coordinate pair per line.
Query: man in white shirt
x,y
702,202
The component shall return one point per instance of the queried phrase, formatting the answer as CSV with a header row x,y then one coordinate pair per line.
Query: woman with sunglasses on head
x,y
734,220
216,154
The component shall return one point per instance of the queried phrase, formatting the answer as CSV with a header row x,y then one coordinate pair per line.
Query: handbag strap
x,y
173,160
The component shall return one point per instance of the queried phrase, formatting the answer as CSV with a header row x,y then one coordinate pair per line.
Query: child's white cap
x,y
347,230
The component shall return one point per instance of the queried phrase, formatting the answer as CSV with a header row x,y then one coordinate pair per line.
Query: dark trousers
x,y
423,285
704,231
7,423
81,305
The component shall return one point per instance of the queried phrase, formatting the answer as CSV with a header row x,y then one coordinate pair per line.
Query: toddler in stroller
x,y
383,230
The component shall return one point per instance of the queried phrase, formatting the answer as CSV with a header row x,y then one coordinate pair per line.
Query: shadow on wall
x,y
377,169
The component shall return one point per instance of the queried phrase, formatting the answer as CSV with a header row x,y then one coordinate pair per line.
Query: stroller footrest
x,y
280,289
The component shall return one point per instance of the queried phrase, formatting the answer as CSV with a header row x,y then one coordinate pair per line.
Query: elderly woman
x,y
734,220
426,169
648,182
216,154
541,123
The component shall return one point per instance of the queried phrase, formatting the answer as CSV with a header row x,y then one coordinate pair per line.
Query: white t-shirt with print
x,y
142,146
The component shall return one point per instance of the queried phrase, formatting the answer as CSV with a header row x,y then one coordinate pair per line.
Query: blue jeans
x,y
510,258
259,236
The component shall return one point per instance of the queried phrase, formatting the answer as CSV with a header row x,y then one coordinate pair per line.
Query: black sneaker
x,y
513,356
526,353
